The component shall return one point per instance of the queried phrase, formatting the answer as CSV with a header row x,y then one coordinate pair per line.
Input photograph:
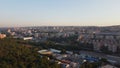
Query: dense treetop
x,y
17,55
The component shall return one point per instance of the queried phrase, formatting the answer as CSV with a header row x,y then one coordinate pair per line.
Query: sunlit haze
x,y
59,13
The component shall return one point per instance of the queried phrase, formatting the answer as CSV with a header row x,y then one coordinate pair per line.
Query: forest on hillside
x,y
16,55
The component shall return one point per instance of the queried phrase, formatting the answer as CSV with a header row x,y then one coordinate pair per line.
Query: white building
x,y
27,38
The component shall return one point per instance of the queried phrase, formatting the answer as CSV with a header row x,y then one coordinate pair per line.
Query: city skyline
x,y
59,13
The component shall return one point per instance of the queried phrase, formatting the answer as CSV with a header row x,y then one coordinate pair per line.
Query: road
x,y
113,59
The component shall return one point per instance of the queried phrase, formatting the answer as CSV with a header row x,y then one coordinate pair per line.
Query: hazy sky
x,y
59,12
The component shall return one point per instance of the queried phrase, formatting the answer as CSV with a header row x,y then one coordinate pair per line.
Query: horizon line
x,y
60,26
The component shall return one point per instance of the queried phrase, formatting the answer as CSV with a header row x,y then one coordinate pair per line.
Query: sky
x,y
59,13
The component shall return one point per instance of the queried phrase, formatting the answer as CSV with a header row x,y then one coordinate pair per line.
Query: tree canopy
x,y
17,55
